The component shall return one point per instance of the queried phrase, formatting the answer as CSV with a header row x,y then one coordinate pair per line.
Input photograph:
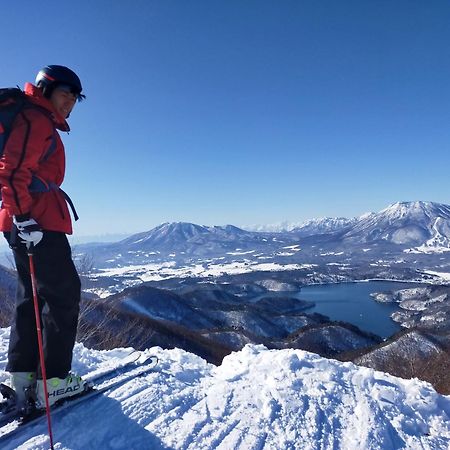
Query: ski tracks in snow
x,y
258,399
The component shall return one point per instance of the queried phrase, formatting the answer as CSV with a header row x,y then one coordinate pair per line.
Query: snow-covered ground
x,y
161,271
443,277
257,399
157,272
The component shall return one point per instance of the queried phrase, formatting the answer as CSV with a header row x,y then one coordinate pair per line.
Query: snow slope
x,y
257,399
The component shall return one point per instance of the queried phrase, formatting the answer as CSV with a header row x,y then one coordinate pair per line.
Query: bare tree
x,y
7,303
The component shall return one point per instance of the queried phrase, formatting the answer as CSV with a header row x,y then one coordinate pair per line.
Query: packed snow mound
x,y
257,399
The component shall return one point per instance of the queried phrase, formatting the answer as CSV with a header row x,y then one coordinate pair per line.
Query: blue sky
x,y
243,112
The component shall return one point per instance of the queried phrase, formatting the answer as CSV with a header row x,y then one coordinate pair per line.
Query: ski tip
x,y
148,359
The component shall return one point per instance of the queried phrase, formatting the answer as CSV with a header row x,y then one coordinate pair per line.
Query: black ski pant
x,y
59,290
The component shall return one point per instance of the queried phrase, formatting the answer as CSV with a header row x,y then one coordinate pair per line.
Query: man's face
x,y
63,100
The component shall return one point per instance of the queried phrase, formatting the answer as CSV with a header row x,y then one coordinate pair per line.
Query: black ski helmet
x,y
50,76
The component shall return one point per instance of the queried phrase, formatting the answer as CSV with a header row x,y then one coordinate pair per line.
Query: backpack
x,y
12,102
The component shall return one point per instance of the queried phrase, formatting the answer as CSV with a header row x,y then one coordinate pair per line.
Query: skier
x,y
39,217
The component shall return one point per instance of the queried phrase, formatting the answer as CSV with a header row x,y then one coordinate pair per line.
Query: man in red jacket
x,y
34,212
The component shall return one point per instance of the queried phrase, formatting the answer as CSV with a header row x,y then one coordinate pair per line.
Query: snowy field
x,y
157,272
135,274
257,399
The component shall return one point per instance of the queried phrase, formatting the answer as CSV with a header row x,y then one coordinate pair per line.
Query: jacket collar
x,y
36,97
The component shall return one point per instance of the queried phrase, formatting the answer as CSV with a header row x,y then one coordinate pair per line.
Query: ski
x,y
117,366
8,412
114,366
145,365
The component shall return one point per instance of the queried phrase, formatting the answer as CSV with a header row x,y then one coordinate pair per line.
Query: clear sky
x,y
243,112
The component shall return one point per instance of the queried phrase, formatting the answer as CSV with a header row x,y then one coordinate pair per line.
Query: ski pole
x,y
30,252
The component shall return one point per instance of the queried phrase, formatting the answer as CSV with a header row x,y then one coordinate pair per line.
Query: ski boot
x,y
19,397
59,389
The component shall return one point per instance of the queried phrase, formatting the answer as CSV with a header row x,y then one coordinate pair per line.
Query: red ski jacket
x,y
26,158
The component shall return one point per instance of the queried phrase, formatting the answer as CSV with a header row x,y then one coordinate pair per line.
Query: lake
x,y
351,302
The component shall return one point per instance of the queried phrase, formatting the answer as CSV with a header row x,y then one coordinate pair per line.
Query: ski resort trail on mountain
x,y
256,399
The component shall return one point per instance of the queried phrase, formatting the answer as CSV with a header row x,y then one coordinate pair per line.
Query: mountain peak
x,y
168,232
401,209
187,227
413,222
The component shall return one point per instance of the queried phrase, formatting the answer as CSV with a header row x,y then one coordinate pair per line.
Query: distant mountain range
x,y
415,227
402,223
424,223
408,241
325,225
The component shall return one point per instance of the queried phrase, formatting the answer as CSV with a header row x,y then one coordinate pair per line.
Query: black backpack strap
x,y
70,203
40,185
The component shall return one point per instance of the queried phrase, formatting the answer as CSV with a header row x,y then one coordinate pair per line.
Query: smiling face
x,y
63,101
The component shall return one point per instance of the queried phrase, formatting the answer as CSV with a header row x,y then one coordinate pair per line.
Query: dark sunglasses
x,y
72,90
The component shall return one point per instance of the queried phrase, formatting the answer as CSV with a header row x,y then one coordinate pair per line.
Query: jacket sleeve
x,y
29,138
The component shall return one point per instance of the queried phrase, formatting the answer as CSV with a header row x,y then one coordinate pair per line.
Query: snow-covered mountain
x,y
406,241
165,235
328,225
279,227
405,223
256,399
417,223
189,239
306,228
